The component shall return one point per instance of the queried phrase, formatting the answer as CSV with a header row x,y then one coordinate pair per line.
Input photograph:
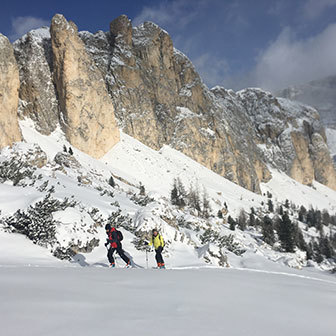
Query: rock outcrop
x,y
290,137
38,97
87,113
9,95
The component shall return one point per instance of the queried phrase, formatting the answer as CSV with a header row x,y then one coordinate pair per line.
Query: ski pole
x,y
146,257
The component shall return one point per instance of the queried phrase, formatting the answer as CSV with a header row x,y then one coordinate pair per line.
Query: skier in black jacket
x,y
114,240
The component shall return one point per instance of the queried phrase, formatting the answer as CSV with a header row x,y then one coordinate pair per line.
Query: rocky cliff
x,y
86,109
82,80
9,94
318,93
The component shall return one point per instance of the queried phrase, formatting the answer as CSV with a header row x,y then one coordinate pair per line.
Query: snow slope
x,y
131,162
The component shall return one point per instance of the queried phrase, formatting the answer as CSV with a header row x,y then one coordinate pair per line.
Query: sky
x,y
270,44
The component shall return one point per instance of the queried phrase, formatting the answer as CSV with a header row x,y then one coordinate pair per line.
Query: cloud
x,y
314,8
211,68
290,61
23,24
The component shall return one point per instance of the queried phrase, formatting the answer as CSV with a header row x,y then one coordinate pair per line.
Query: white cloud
x,y
290,61
23,24
314,8
211,68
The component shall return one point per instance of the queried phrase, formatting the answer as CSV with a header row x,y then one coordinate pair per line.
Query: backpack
x,y
119,235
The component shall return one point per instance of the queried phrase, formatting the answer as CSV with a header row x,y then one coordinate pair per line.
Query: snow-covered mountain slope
x,y
70,194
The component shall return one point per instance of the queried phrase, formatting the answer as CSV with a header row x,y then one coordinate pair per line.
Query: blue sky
x,y
234,43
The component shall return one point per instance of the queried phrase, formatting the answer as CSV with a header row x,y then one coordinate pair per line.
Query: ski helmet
x,y
107,227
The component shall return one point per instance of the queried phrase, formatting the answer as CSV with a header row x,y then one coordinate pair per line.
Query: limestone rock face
x,y
9,95
160,99
291,137
86,109
323,165
38,97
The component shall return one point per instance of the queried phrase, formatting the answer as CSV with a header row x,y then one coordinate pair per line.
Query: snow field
x,y
99,301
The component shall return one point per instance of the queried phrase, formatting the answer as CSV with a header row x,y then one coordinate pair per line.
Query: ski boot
x,y
112,265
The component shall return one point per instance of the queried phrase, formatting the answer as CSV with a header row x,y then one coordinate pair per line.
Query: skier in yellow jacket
x,y
158,243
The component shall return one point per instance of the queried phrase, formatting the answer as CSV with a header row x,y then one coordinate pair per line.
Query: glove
x,y
106,244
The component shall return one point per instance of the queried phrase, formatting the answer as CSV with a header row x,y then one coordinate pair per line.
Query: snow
x,y
38,35
100,301
16,250
283,187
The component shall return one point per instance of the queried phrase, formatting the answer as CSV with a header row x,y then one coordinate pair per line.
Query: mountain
x,y
317,93
229,178
154,94
321,95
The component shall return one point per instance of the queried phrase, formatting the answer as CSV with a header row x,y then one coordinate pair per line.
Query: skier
x,y
158,243
114,240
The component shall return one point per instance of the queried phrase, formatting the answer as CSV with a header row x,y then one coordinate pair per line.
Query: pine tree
x,y
267,230
194,198
326,247
286,233
252,220
178,193
281,212
219,214
111,182
174,194
287,204
70,151
270,205
232,223
298,238
302,214
142,189
318,257
326,217
65,149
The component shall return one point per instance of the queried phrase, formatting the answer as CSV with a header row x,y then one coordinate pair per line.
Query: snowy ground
x,y
101,301
41,295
